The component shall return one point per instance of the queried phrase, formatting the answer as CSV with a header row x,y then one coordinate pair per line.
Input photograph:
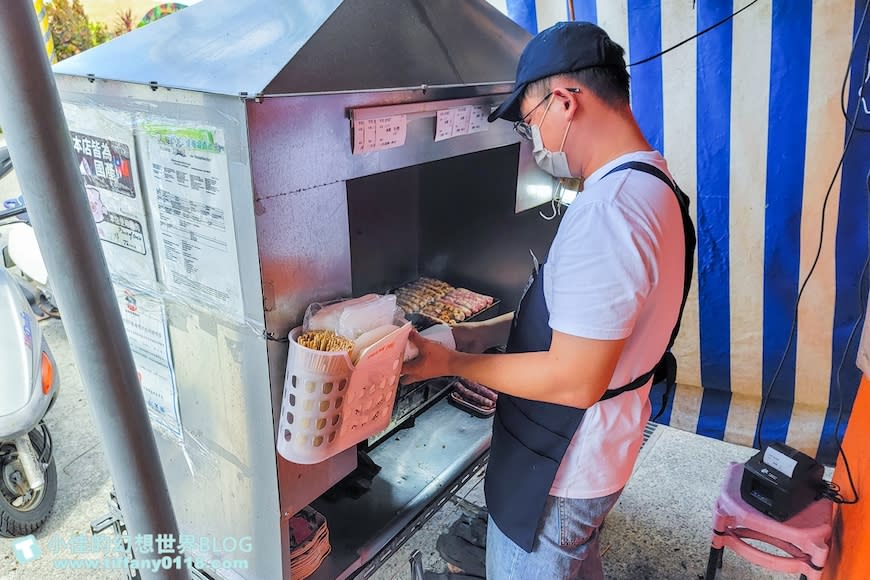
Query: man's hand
x,y
477,337
433,360
575,371
470,338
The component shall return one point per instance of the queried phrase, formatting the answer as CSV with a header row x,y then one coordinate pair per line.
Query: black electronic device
x,y
780,481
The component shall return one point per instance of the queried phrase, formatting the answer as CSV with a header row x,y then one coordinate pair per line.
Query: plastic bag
x,y
326,315
355,317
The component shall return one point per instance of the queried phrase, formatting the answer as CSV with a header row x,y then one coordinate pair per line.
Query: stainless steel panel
x,y
300,143
312,46
305,483
304,251
376,44
304,258
217,46
223,480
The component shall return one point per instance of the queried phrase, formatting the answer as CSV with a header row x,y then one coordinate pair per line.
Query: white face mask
x,y
556,164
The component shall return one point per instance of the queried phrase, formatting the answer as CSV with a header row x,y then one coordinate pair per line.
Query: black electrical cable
x,y
765,398
691,38
766,395
832,490
840,417
863,75
861,306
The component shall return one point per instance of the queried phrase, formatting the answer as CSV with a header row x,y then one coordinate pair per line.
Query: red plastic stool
x,y
805,537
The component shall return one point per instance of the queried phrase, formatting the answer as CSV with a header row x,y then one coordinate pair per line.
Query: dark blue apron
x,y
530,438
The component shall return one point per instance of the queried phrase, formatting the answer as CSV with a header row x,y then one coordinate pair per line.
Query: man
x,y
595,319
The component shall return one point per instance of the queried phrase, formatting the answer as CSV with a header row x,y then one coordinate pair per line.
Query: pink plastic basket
x,y
329,404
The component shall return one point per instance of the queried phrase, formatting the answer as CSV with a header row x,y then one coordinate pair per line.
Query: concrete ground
x,y
660,528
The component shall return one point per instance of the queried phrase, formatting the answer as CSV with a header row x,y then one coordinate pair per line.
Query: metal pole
x,y
571,10
39,142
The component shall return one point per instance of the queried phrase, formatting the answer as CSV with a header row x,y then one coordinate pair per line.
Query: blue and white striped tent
x,y
750,121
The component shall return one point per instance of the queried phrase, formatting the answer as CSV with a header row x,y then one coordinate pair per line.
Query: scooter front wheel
x,y
24,510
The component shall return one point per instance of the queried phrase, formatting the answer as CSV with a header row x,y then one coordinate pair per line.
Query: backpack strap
x,y
666,368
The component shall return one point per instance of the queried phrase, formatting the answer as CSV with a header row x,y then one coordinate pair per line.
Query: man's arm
x,y
596,295
575,371
476,337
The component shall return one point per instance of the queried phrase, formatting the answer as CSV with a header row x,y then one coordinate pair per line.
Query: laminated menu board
x,y
191,213
144,319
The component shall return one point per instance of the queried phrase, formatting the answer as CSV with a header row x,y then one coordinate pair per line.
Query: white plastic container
x,y
329,404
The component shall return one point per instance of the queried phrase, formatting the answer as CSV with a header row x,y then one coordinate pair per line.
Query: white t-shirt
x,y
615,271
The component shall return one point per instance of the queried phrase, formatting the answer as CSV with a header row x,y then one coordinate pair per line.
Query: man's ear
x,y
567,103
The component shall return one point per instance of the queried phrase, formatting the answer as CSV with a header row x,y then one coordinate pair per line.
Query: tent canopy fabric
x,y
749,119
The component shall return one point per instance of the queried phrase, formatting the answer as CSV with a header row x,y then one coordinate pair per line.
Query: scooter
x,y
21,249
28,476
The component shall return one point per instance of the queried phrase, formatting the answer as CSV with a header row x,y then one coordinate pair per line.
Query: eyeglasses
x,y
523,128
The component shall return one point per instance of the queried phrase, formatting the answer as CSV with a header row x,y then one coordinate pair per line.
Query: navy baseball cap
x,y
563,48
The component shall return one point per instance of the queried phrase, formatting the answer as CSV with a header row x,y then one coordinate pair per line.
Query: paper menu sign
x,y
378,134
391,132
371,135
359,136
444,125
459,121
477,121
